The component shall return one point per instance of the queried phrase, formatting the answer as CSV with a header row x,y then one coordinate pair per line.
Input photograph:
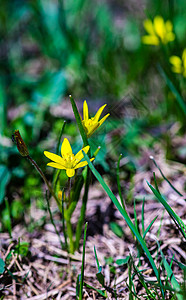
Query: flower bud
x,y
22,148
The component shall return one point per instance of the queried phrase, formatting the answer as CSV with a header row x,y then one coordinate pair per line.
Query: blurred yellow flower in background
x,y
67,161
179,64
158,31
90,125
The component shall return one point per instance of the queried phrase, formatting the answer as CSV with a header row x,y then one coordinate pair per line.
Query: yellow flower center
x,y
90,125
69,160
90,122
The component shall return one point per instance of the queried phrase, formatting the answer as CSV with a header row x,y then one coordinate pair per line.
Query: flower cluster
x,y
158,31
68,161
161,32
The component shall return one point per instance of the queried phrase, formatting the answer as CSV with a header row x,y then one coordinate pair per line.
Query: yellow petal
x,y
168,26
175,60
159,27
54,157
177,69
86,149
150,40
170,37
99,112
148,26
103,119
184,58
83,163
66,148
80,155
92,129
85,110
70,172
56,165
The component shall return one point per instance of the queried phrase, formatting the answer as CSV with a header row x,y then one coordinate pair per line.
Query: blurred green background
x,y
91,50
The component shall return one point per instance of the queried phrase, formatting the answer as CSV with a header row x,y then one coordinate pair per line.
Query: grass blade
x,y
79,122
142,217
126,217
57,172
150,225
151,157
59,140
83,265
118,183
96,257
173,90
173,215
83,209
135,216
103,294
170,274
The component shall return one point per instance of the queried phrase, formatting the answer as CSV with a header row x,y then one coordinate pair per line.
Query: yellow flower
x,y
60,194
158,31
179,64
90,125
68,161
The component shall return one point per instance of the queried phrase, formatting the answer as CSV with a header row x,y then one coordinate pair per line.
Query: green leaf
x,y
79,123
122,261
125,216
150,225
77,285
51,89
164,177
97,290
83,265
96,257
117,229
99,275
142,216
2,266
59,139
181,265
118,182
173,89
170,274
22,248
4,180
178,221
3,108
100,278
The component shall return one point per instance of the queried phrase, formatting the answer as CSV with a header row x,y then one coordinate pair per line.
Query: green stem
x,y
45,180
8,221
70,235
83,265
63,221
83,210
68,221
55,181
52,221
69,190
119,185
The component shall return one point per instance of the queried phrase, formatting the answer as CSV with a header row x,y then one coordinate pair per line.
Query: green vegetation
x,y
132,60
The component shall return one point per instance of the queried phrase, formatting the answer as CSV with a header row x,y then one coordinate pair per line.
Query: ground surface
x,y
47,272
